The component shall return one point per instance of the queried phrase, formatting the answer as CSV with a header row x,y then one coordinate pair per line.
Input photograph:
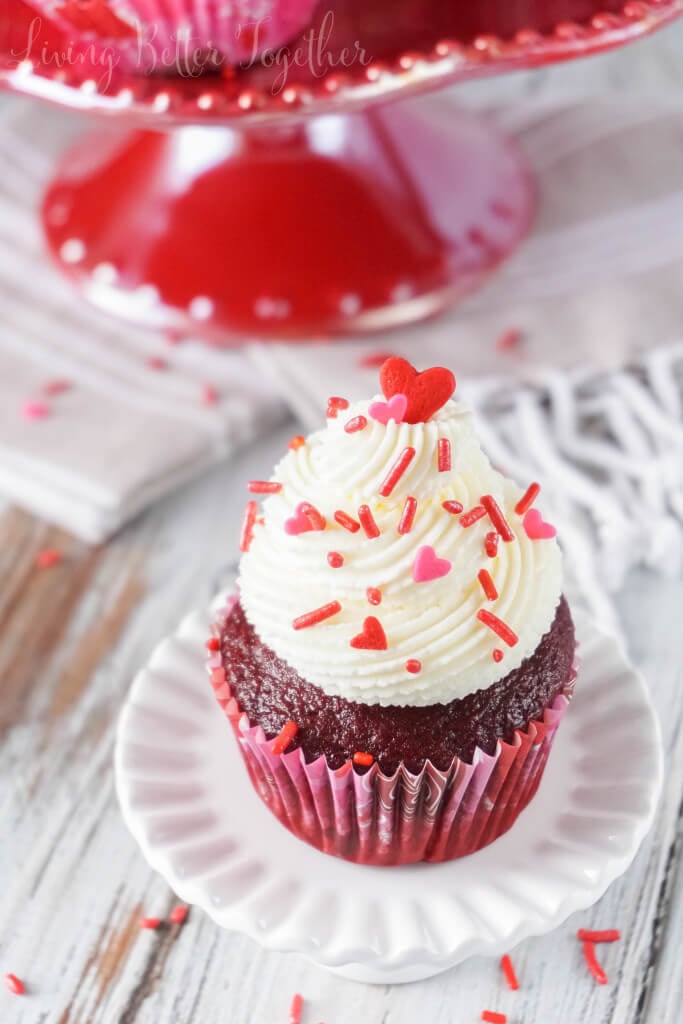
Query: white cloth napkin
x,y
590,400
123,434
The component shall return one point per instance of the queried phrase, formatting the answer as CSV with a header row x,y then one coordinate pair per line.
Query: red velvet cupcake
x,y
399,655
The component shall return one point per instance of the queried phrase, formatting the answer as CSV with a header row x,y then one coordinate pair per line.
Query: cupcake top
x,y
392,564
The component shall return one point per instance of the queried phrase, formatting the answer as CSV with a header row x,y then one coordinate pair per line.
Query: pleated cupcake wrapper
x,y
156,45
374,818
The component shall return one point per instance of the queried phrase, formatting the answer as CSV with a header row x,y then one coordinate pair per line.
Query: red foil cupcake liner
x,y
374,818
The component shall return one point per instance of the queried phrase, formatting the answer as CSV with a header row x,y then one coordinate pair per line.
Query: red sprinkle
x,y
367,522
487,584
374,595
373,360
285,737
156,362
364,760
497,518
295,1009
312,618
413,666
213,644
334,404
405,523
443,448
527,499
33,410
248,520
178,915
493,1018
610,935
499,627
491,543
264,486
592,963
357,423
48,557
315,518
209,395
56,387
497,654
151,923
396,472
334,559
346,521
471,517
15,984
454,507
509,339
296,442
506,962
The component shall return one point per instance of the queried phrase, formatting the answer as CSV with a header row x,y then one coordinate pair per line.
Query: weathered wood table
x,y
74,884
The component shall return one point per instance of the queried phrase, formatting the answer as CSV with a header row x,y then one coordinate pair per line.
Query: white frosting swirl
x,y
283,576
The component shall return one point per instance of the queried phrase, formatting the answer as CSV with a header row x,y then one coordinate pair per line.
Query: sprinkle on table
x,y
396,472
472,516
284,738
405,523
178,915
509,970
295,1009
608,935
335,560
374,595
15,984
527,499
264,487
443,458
367,521
496,516
312,618
48,557
487,584
246,533
491,1017
210,395
355,424
592,963
362,759
56,387
334,405
346,521
296,442
454,507
150,923
491,543
373,360
413,665
509,339
156,363
499,627
35,410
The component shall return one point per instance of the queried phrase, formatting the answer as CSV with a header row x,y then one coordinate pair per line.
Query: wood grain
x,y
75,885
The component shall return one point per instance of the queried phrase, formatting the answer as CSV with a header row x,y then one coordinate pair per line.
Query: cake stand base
x,y
337,224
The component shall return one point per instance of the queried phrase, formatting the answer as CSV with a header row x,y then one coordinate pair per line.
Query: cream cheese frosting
x,y
427,579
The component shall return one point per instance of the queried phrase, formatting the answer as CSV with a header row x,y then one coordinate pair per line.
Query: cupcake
x,y
177,37
398,655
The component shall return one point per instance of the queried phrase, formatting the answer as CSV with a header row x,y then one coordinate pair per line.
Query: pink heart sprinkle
x,y
35,410
535,526
428,566
394,409
305,518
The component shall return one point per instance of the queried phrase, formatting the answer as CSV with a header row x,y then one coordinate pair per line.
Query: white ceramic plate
x,y
188,801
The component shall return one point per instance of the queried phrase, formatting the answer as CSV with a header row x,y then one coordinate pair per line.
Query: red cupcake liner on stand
x,y
374,818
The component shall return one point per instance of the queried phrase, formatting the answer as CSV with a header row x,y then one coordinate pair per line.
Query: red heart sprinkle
x,y
372,638
426,392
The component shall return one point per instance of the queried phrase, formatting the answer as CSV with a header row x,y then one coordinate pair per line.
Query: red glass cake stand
x,y
289,198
